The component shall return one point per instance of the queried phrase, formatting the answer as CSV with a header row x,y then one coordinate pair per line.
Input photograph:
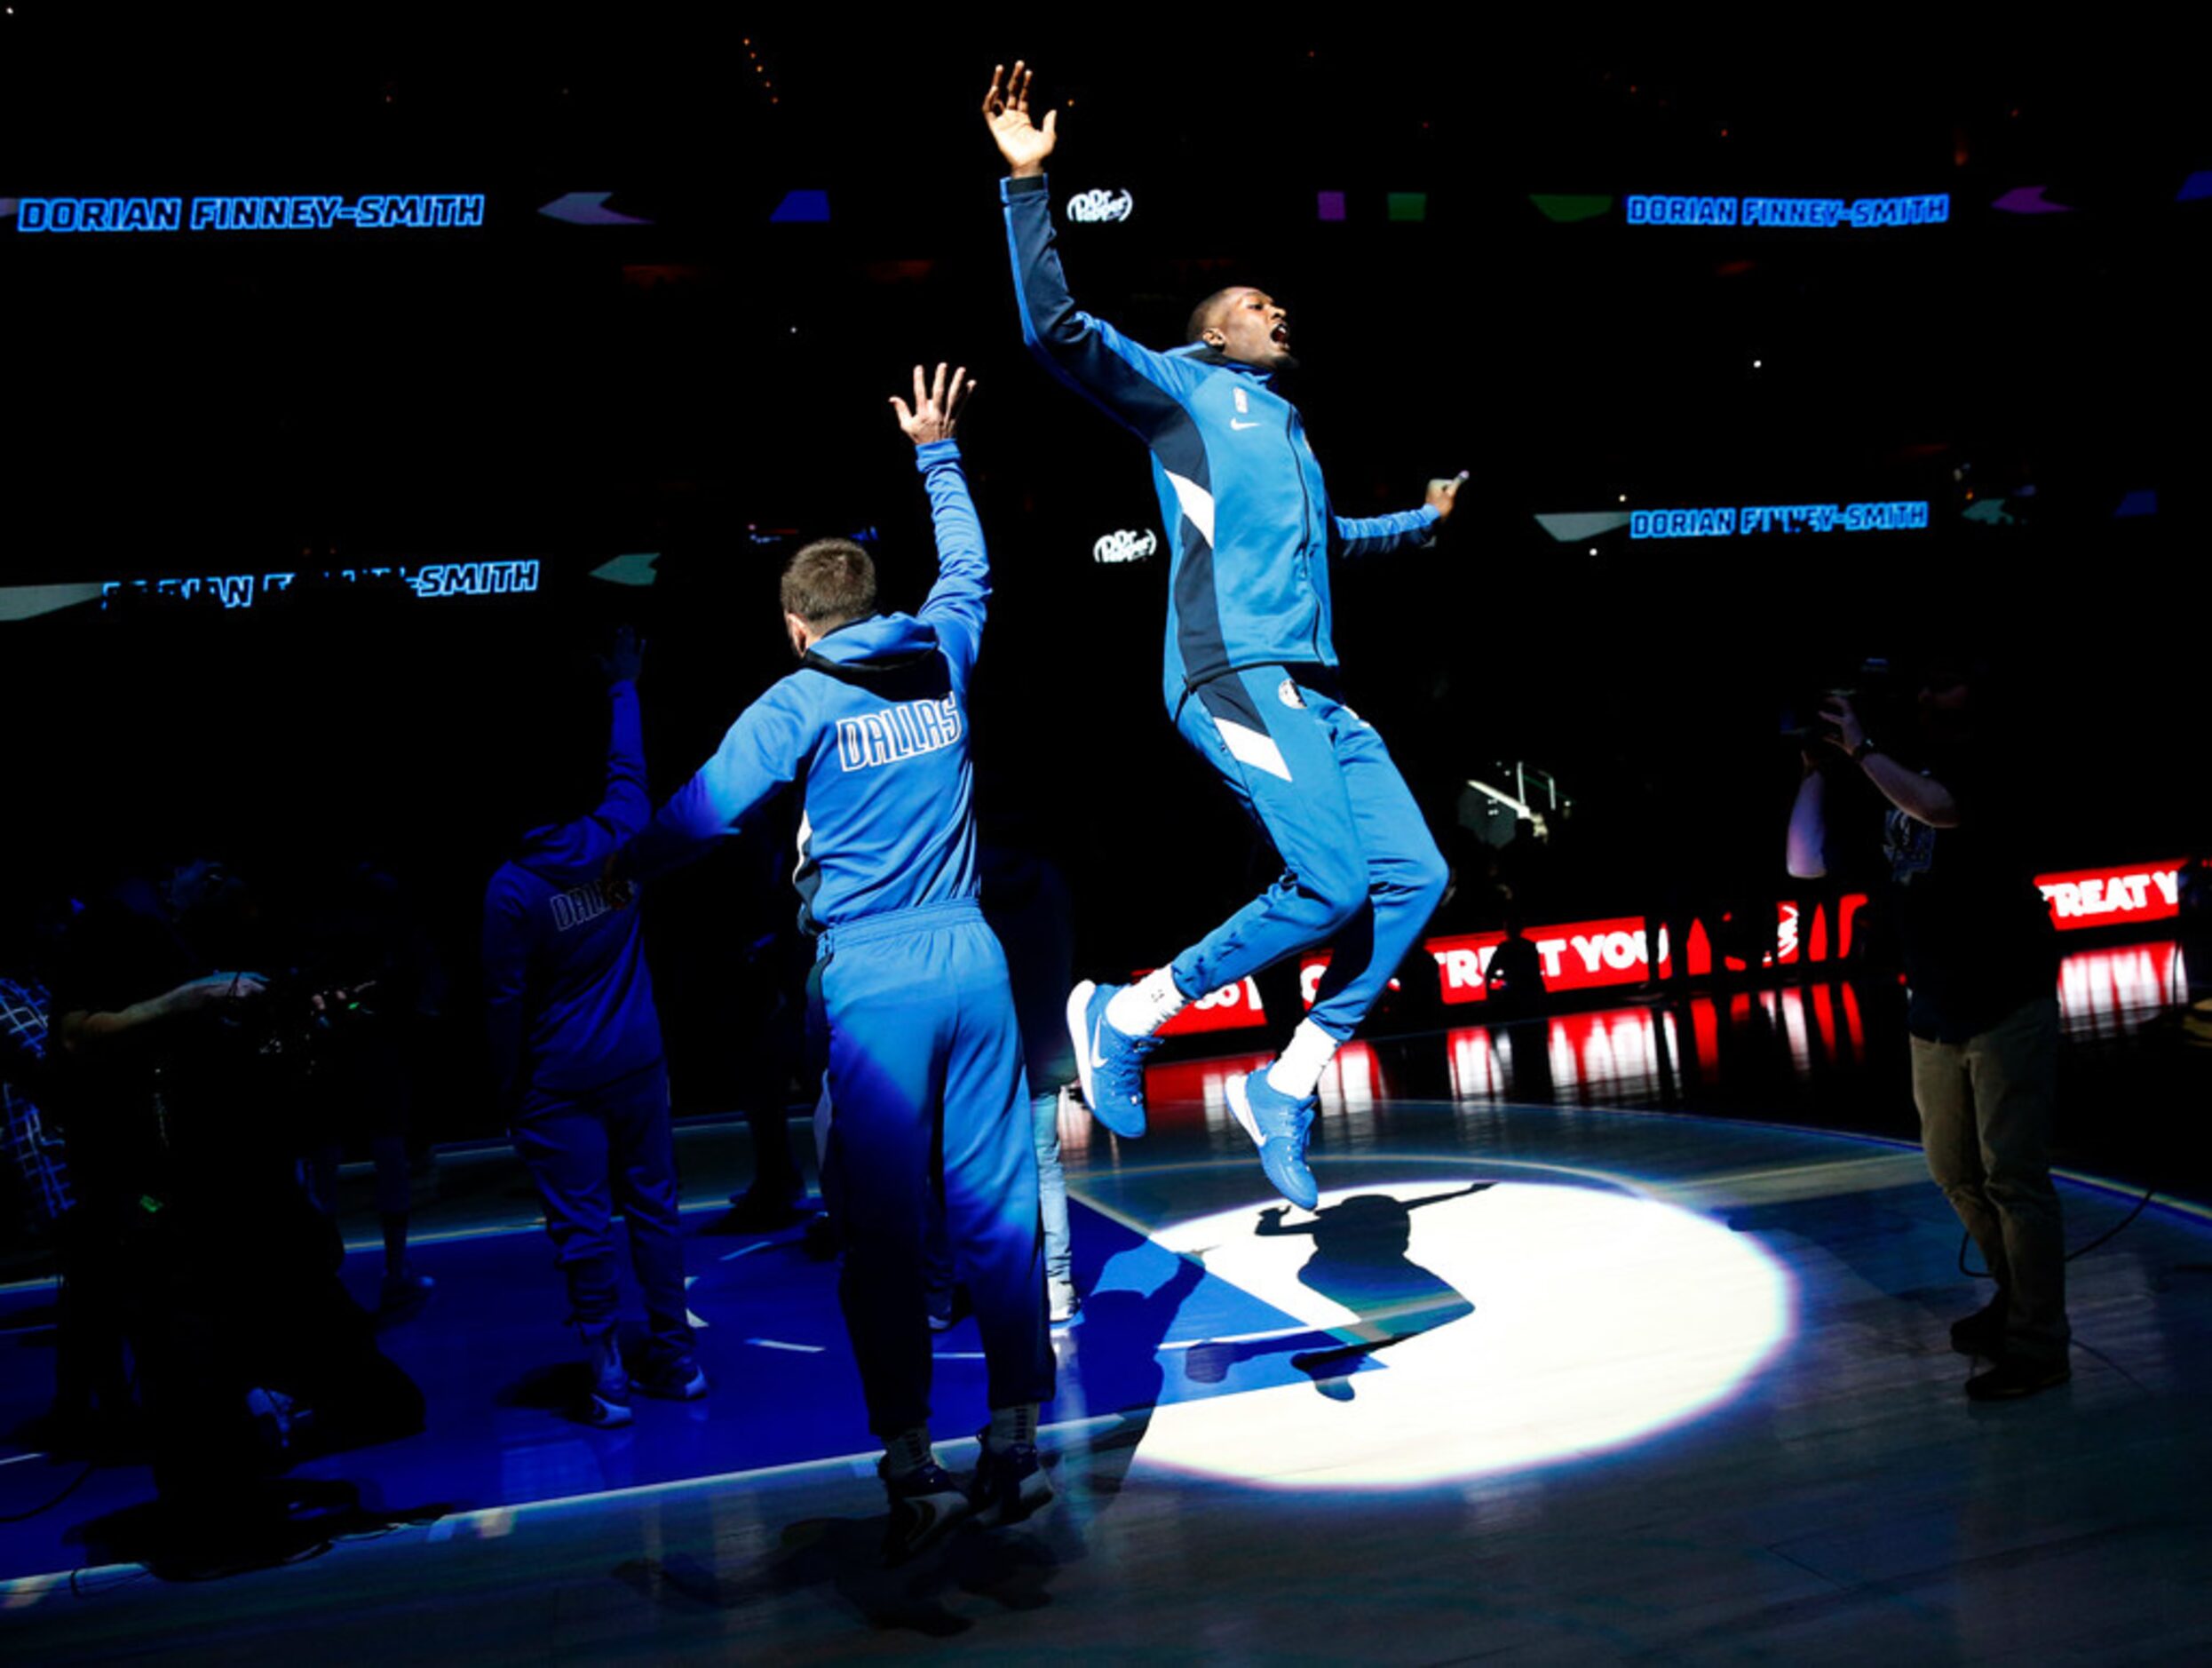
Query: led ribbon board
x,y
2105,897
1817,213
247,214
1732,521
428,580
1232,1008
1592,955
1578,956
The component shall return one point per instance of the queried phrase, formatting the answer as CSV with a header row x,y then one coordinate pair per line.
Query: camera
x,y
294,1022
1874,690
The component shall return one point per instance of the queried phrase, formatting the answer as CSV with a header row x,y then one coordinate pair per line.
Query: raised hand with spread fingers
x,y
1023,143
935,414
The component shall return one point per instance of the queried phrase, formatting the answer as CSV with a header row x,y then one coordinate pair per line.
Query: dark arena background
x,y
362,378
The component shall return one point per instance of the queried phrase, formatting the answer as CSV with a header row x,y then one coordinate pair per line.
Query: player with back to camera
x,y
1251,675
933,1116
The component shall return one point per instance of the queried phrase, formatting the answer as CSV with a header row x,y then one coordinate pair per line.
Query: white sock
x,y
907,1452
1299,1070
1009,1425
1141,1009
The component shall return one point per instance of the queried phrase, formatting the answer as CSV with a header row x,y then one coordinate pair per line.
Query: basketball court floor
x,y
1552,1374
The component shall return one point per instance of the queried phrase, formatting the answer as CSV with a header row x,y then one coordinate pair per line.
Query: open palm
x,y
1020,141
935,413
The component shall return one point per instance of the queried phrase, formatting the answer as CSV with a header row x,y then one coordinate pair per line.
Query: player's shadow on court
x,y
1127,1329
1360,1262
840,1559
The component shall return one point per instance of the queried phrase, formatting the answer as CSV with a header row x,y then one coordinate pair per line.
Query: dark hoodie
x,y
567,997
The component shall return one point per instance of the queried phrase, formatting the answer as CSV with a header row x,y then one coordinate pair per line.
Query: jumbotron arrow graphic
x,y
587,208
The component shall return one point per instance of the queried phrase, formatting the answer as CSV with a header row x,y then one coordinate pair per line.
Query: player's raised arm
x,y
625,804
1126,378
957,601
506,968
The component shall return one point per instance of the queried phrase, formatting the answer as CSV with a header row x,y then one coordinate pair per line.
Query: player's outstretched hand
x,y
1443,495
1021,142
935,413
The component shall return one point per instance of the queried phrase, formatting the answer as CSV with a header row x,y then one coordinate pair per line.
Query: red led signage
x,y
1316,964
1593,955
2106,897
1232,1008
1819,941
1580,955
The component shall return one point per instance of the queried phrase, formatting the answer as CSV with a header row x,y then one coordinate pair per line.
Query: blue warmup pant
x,y
930,1112
1361,869
588,1153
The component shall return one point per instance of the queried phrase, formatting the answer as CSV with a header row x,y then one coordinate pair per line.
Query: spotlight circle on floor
x,y
1599,1319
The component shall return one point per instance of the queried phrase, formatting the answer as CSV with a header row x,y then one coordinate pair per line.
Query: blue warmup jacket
x,y
569,999
1241,492
874,725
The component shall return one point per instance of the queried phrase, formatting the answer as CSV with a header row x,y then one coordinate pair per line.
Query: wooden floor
x,y
1650,1386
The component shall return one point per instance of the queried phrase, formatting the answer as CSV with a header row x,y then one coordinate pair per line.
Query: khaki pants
x,y
1986,1114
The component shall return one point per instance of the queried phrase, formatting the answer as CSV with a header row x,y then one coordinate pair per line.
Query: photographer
x,y
174,1082
1980,963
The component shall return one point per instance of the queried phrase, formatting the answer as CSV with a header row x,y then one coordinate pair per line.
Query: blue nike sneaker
x,y
1109,1062
1280,1126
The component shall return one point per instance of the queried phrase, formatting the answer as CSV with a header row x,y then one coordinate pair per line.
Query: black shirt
x,y
1977,936
171,1108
